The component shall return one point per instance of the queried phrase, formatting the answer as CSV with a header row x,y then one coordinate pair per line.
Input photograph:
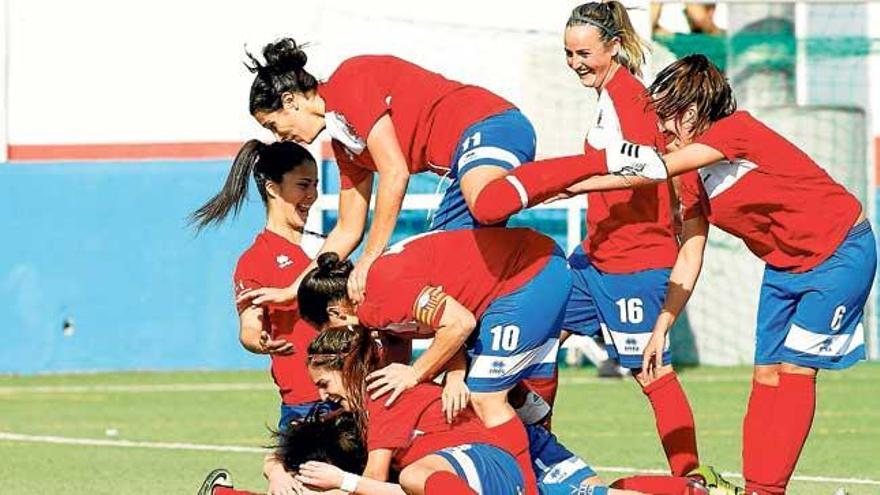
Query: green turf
x,y
607,422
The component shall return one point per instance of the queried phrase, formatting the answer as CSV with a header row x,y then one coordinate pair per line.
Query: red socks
x,y
771,452
546,388
756,431
512,437
446,483
532,183
222,490
675,423
660,485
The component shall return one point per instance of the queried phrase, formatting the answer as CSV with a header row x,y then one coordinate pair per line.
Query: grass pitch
x,y
162,419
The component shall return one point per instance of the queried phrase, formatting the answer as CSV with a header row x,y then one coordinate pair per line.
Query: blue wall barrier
x,y
104,249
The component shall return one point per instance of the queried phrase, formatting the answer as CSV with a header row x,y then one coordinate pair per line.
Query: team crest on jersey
x,y
283,261
341,130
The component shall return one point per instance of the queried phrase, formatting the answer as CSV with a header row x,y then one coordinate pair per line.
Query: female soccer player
x,y
622,268
412,434
393,118
501,291
810,231
287,179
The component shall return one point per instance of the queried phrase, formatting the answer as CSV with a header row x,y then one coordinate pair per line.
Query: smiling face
x,y
294,196
330,386
588,56
295,121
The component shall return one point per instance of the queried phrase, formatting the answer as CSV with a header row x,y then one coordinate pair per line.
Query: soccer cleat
x,y
716,484
217,477
628,159
610,369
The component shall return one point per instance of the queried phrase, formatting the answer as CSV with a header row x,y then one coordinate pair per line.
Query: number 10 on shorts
x,y
505,337
630,310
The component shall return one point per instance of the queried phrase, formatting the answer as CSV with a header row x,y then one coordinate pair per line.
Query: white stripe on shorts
x,y
821,344
630,344
563,470
490,152
485,366
467,465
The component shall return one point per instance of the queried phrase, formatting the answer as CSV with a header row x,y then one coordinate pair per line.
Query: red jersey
x,y
429,113
770,194
414,425
273,261
628,230
473,266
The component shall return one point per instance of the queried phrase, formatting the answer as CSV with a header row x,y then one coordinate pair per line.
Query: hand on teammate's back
x,y
275,346
455,398
357,281
395,378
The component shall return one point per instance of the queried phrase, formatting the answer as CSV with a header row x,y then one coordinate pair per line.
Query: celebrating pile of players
x,y
472,413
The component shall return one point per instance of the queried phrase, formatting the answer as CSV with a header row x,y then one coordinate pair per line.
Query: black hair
x,y
322,286
283,72
266,162
334,438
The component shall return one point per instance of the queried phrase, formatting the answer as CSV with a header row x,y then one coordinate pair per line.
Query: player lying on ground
x,y
819,251
500,290
325,453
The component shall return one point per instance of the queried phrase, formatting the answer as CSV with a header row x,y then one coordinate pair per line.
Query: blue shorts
x,y
297,413
558,470
487,469
518,335
504,140
814,319
623,306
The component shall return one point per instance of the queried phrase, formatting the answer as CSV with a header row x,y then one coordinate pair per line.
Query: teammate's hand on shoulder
x,y
455,398
283,483
395,378
357,280
629,159
320,475
266,295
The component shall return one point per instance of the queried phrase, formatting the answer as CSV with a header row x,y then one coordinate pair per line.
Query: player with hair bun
x,y
505,307
819,250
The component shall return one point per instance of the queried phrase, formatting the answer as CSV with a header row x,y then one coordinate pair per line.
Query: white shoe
x,y
629,159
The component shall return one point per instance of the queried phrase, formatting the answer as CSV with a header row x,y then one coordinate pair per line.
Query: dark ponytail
x,y
265,162
283,72
323,286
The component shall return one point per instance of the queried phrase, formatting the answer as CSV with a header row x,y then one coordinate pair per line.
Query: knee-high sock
x,y
660,485
792,419
512,437
675,423
532,183
445,483
546,388
222,490
756,432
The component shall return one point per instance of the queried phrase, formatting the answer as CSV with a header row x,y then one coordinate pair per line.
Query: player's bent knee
x,y
797,370
413,478
767,374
